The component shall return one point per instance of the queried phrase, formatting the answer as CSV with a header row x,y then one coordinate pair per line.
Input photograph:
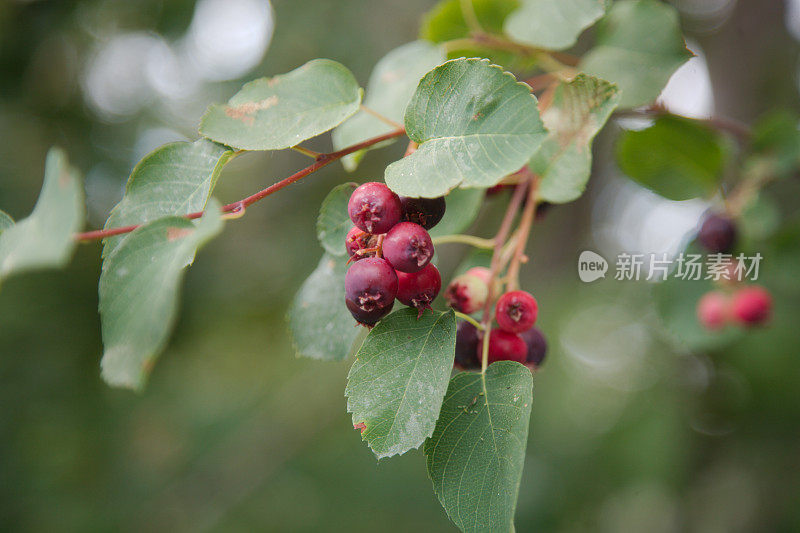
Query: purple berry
x,y
467,341
370,287
537,347
506,346
419,289
374,208
427,212
367,318
408,247
542,209
717,233
358,240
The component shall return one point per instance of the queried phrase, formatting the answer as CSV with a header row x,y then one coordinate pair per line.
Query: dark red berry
x,y
367,318
357,240
537,347
374,208
370,287
419,289
505,346
496,189
751,306
408,247
542,209
467,341
717,233
427,212
516,311
712,310
467,293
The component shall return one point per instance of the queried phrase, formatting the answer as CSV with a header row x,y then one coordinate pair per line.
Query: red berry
x,y
516,311
505,346
712,310
370,287
466,293
467,341
408,247
427,212
359,240
419,289
717,233
481,272
751,306
374,208
537,347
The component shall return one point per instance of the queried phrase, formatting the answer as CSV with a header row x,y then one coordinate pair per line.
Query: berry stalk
x,y
499,241
238,207
528,215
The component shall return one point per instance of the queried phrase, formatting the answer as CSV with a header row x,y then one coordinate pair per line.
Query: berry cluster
x,y
391,249
748,306
515,338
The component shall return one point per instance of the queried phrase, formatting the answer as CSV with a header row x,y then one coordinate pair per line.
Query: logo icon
x,y
591,266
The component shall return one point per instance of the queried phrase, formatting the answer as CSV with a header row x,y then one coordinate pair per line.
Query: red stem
x,y
499,241
321,161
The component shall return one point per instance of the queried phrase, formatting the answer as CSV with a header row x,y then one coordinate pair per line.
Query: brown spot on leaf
x,y
361,425
173,234
64,179
245,111
390,76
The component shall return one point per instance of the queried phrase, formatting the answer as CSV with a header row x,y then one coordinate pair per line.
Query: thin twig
x,y
382,118
321,161
739,130
305,151
469,319
476,242
468,11
499,241
525,224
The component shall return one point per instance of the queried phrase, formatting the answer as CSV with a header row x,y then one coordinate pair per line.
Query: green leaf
x,y
475,456
5,221
552,24
390,87
445,21
283,111
463,206
397,382
676,157
333,222
139,286
174,179
579,110
46,239
321,326
474,125
777,137
639,46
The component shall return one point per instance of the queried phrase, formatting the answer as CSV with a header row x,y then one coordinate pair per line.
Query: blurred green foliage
x,y
629,432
